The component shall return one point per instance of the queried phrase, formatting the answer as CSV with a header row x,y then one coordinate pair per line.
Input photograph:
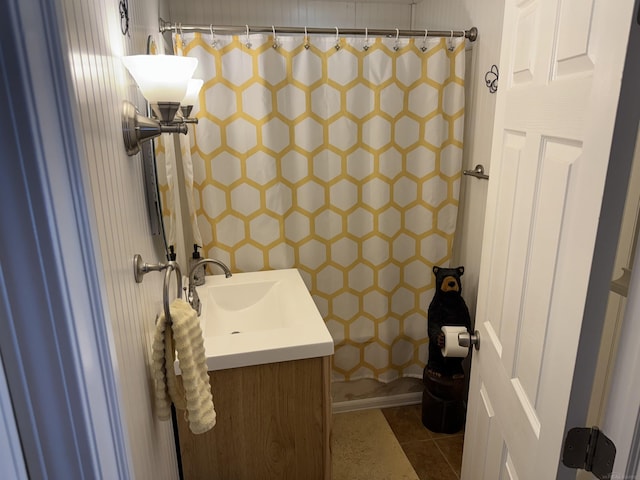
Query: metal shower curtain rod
x,y
471,34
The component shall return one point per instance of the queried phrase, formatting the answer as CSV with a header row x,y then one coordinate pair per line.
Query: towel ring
x,y
140,269
171,266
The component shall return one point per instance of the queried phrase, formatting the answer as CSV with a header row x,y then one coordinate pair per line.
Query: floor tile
x,y
406,423
428,461
451,448
432,455
364,447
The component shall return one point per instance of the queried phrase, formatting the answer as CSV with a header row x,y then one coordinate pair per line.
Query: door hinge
x,y
590,450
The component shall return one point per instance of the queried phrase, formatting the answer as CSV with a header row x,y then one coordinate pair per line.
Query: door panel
x,y
526,43
575,33
545,230
552,134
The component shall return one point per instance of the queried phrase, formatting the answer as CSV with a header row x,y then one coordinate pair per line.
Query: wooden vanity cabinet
x,y
273,422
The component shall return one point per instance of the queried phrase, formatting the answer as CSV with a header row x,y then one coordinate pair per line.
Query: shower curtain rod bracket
x,y
473,34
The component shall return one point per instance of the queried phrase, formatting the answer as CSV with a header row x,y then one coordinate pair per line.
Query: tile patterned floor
x,y
434,456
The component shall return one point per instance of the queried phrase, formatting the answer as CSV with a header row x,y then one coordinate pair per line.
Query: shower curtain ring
x,y
365,47
424,41
276,44
396,45
306,39
451,47
247,41
173,37
178,35
337,47
214,40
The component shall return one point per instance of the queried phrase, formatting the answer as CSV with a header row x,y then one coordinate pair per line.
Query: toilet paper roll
x,y
451,346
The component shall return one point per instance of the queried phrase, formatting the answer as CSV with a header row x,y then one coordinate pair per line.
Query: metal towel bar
x,y
477,172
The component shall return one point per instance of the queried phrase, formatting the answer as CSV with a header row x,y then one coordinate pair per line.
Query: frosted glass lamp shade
x,y
193,89
161,78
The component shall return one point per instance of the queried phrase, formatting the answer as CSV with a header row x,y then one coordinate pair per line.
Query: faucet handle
x,y
194,300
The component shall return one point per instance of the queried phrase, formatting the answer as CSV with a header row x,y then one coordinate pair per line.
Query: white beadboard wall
x,y
447,14
115,186
358,14
480,107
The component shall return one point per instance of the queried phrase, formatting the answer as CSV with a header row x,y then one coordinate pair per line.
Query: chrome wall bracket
x,y
137,128
141,268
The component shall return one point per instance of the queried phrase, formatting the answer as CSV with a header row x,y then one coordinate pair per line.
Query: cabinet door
x,y
272,423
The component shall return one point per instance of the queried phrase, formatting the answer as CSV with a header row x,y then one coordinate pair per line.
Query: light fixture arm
x,y
137,128
185,119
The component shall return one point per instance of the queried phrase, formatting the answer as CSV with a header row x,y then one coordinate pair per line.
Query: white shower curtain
x,y
167,163
341,161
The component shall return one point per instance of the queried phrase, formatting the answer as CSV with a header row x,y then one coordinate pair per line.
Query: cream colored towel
x,y
193,392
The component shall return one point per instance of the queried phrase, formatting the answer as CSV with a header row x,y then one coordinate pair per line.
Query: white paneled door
x,y
560,70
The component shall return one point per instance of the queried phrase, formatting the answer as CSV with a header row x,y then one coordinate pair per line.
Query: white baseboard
x,y
377,402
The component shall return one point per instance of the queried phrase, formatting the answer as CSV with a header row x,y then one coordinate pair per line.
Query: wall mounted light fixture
x,y
190,99
164,81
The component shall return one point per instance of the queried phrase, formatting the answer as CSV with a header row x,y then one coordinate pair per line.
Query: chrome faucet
x,y
192,297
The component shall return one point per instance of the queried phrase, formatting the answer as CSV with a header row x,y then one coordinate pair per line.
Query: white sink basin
x,y
260,317
245,307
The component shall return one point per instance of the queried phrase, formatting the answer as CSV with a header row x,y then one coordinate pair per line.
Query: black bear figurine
x,y
446,308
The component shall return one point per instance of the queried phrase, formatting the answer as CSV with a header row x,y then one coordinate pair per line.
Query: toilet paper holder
x,y
466,339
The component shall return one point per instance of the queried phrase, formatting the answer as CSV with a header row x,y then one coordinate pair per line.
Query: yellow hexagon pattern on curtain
x,y
342,162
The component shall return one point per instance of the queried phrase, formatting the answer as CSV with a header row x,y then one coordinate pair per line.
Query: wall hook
x,y
123,7
491,79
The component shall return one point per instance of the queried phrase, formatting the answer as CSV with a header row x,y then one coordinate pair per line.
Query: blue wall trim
x,y
54,345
